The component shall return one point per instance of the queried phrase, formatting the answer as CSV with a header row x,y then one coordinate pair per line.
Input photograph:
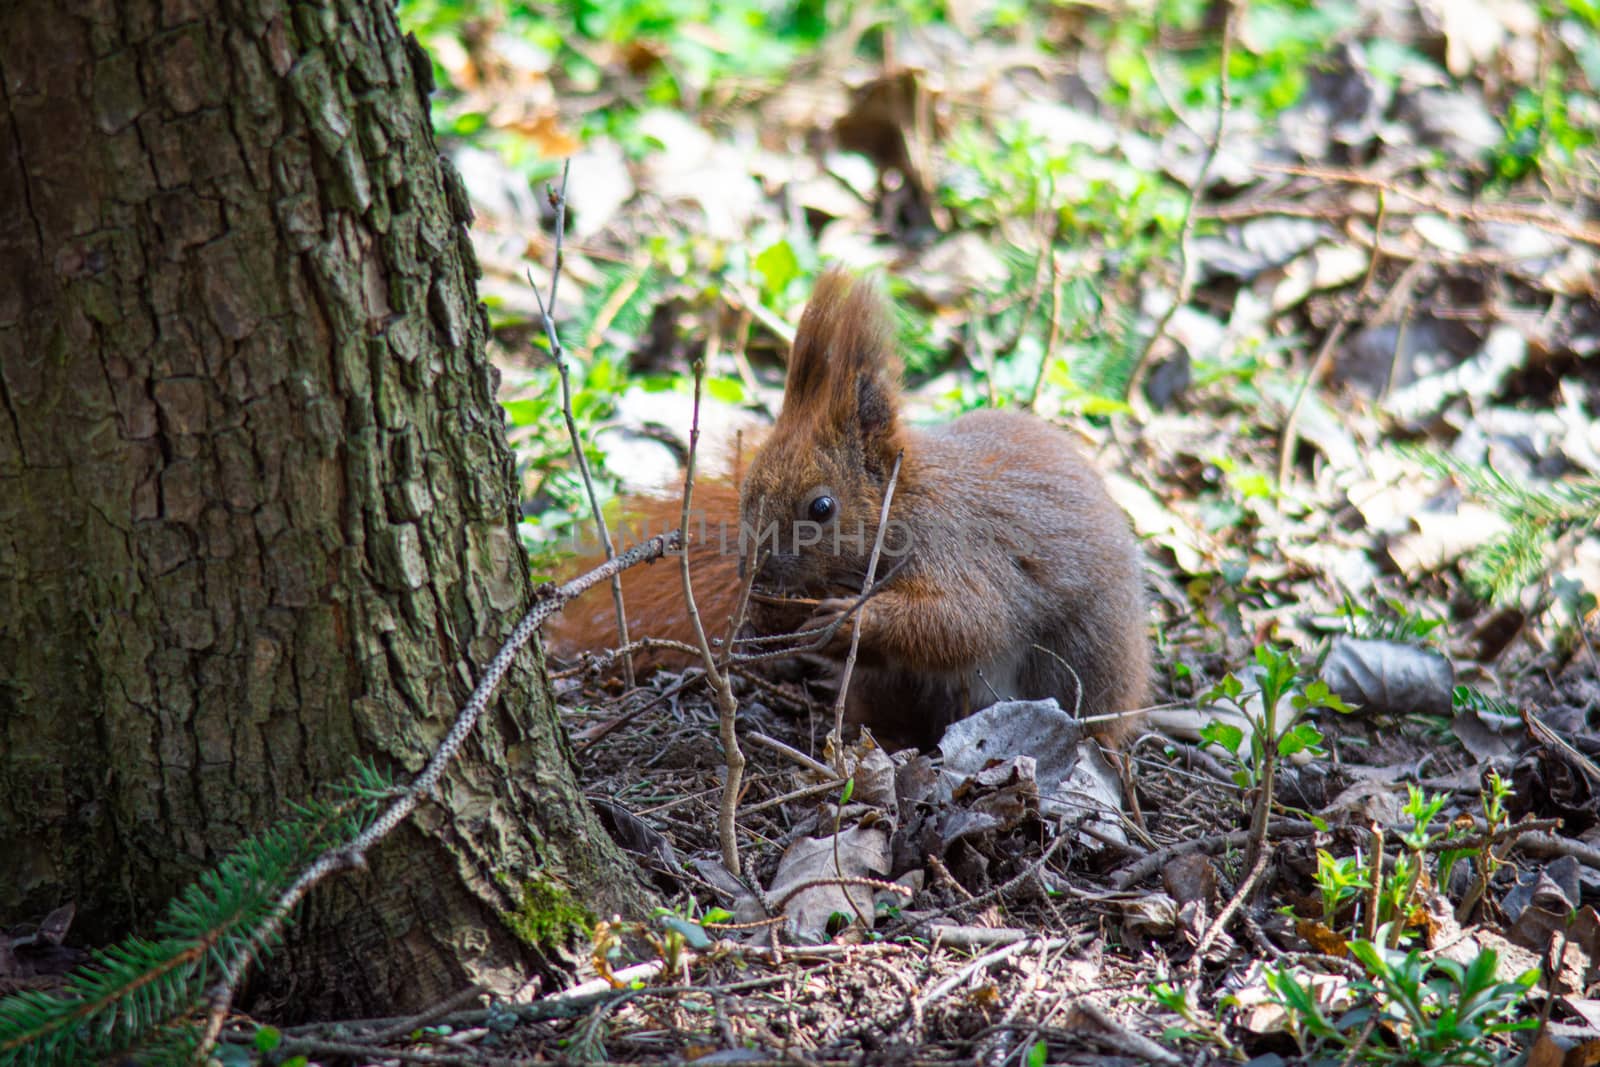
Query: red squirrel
x,y
1006,571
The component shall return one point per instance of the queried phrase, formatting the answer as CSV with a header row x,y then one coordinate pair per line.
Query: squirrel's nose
x,y
777,570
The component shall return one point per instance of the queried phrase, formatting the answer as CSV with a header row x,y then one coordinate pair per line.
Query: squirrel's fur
x,y
1007,570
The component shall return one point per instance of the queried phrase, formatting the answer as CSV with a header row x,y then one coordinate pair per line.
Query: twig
x,y
405,1026
548,602
941,873
983,963
747,374
364,1052
1369,918
745,301
798,794
1291,424
547,311
1054,336
614,304
1453,209
1212,843
1542,733
727,706
793,753
1126,1041
1240,897
1141,366
843,881
1002,890
604,730
975,936
855,631
1543,845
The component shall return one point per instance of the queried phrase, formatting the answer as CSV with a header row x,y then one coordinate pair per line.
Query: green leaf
x,y
268,1038
1094,405
778,266
693,933
1225,736
848,792
528,412
1303,736
1038,1054
726,390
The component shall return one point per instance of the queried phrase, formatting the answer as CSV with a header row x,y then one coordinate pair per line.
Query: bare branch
x,y
727,706
855,631
1141,366
547,311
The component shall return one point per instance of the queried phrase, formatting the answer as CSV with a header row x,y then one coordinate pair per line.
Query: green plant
x,y
1281,729
1389,619
1493,796
1279,43
1097,227
1537,514
144,993
1398,892
1339,881
1409,1009
1195,1024
675,51
1540,131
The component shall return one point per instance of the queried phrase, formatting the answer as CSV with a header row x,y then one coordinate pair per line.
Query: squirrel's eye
x,y
822,508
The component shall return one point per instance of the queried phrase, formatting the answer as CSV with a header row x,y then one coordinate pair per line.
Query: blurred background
x,y
1315,280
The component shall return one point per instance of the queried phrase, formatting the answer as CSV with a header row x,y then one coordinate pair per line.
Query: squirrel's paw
x,y
834,610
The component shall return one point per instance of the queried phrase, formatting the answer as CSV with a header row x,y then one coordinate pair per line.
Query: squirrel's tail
x,y
652,593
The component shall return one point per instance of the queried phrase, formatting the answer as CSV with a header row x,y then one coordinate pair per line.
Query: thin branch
x,y
843,882
983,963
1240,897
727,706
855,631
547,311
813,765
1054,337
1291,424
1141,366
1450,208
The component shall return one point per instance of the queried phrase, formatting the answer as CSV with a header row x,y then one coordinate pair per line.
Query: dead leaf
x,y
1389,677
862,852
1191,876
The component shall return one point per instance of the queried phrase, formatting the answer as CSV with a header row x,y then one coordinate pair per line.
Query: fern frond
x,y
1538,513
1500,569
621,302
1466,698
1103,365
1572,500
134,988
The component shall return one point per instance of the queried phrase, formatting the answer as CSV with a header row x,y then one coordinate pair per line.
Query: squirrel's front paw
x,y
835,610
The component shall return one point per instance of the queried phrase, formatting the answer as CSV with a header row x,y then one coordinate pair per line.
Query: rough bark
x,y
256,503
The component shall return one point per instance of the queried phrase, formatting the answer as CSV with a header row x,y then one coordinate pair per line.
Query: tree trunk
x,y
256,502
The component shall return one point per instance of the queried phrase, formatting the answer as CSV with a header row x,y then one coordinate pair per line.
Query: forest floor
x,y
1330,327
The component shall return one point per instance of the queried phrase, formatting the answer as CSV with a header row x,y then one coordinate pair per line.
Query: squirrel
x,y
1006,570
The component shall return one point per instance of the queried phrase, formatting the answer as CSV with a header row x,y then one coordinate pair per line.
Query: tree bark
x,y
256,502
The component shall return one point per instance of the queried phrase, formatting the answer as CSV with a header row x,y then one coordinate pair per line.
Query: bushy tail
x,y
653,592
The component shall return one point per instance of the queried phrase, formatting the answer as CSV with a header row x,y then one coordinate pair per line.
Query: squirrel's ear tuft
x,y
843,368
